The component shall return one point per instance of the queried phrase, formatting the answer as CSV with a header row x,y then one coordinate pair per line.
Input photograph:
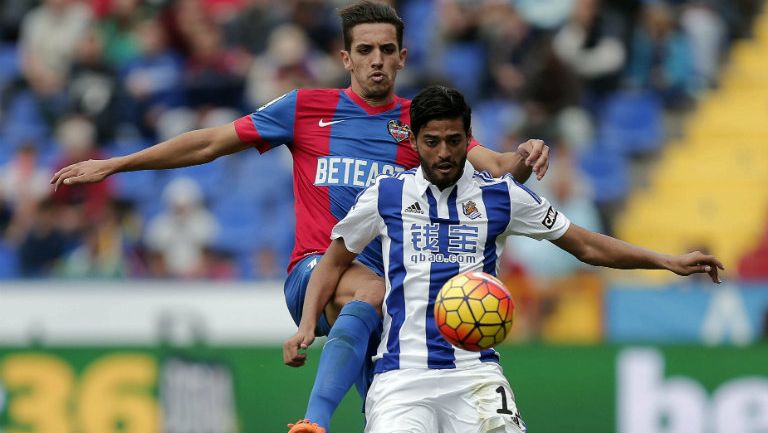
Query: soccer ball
x,y
473,311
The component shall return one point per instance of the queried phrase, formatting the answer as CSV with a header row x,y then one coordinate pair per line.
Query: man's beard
x,y
438,180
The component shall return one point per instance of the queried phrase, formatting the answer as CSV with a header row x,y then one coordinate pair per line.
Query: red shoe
x,y
305,426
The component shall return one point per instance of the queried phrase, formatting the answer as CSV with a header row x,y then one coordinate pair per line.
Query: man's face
x,y
442,147
373,60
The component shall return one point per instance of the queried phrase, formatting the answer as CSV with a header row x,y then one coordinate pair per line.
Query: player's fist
x,y
295,347
536,155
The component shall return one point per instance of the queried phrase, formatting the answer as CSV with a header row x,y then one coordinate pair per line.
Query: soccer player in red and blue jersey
x,y
340,139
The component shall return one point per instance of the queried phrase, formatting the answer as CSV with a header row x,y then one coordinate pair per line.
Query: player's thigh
x,y
360,283
485,404
397,402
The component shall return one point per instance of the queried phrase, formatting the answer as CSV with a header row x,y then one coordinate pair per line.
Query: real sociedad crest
x,y
470,210
398,130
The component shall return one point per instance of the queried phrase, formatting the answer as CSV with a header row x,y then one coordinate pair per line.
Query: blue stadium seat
x,y
9,63
418,15
137,186
608,172
8,262
632,123
464,64
239,224
492,119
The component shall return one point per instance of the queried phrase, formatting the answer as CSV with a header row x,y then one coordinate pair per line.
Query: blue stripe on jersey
x,y
390,209
489,355
360,148
440,353
526,189
497,208
275,120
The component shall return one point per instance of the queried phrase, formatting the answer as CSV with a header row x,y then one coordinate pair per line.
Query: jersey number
x,y
504,408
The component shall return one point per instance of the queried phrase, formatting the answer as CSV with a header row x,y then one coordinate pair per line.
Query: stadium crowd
x,y
602,82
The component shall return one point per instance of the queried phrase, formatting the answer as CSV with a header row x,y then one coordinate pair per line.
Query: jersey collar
x,y
370,109
464,183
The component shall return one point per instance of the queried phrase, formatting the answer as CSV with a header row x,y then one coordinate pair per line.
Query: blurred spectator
x,y
706,32
319,21
590,43
461,57
120,27
76,136
250,29
567,190
288,63
44,243
266,264
217,265
214,74
93,88
511,40
11,15
661,58
550,87
545,14
103,253
49,37
23,185
153,80
179,236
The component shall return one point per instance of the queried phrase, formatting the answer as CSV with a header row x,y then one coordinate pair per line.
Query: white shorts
x,y
468,400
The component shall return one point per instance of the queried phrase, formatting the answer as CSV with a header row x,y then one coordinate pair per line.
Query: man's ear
x,y
346,60
412,139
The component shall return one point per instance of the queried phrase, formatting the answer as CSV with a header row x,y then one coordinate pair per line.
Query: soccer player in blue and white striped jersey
x,y
434,222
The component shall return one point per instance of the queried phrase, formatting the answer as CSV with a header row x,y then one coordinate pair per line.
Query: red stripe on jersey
x,y
472,144
406,156
247,133
370,109
314,220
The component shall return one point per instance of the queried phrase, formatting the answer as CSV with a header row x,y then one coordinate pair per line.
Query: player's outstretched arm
x,y
325,277
190,148
531,156
601,250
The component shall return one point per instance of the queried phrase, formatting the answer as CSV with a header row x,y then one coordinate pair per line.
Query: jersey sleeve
x,y
363,223
271,125
534,216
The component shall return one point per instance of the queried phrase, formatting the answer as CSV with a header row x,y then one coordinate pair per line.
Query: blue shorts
x,y
295,289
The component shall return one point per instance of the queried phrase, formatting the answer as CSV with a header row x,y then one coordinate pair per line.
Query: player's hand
x,y
696,263
91,171
536,155
295,347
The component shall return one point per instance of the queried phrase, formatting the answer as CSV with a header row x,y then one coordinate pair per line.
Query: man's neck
x,y
373,102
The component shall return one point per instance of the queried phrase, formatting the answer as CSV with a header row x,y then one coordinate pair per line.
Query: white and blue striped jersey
x,y
428,236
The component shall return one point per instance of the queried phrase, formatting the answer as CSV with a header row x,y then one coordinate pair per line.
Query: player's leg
x,y
356,307
401,401
481,402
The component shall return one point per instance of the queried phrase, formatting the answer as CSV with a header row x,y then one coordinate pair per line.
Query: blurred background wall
x,y
152,302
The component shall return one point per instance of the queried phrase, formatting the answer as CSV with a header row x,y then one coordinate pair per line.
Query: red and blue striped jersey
x,y
340,144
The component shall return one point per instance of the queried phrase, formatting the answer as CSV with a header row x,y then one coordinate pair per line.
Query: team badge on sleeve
x,y
398,130
470,209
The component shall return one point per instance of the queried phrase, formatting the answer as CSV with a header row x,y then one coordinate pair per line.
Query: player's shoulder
x,y
484,179
506,184
318,92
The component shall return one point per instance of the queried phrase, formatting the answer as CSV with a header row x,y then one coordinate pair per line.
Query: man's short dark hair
x,y
439,103
368,12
